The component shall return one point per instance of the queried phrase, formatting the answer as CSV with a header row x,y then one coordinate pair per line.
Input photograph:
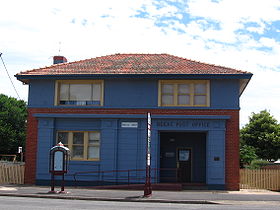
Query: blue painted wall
x,y
137,93
121,148
125,148
132,93
224,94
46,137
41,93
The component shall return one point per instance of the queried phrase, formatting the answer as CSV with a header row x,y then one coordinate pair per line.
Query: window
x,y
184,93
80,93
83,145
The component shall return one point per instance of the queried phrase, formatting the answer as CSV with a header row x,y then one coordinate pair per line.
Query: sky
x,y
240,34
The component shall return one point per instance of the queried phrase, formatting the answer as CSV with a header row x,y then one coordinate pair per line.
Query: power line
x,y
9,76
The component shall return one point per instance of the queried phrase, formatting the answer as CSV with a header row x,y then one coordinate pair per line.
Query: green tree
x,y
263,133
257,164
247,155
13,114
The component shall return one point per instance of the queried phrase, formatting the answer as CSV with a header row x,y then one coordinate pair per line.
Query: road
x,y
15,203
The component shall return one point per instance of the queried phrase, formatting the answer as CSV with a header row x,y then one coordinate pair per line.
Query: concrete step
x,y
194,186
158,186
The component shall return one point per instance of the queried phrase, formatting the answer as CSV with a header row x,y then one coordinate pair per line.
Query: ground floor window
x,y
84,145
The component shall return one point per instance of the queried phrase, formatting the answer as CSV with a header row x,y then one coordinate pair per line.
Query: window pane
x,y
93,152
62,137
79,103
199,100
96,92
183,99
94,138
78,151
167,99
167,88
80,92
184,88
78,138
64,92
200,88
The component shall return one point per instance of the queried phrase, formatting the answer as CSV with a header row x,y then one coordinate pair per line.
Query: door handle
x,y
178,165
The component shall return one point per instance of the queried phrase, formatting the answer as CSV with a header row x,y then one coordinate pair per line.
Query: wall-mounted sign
x,y
183,123
129,124
184,155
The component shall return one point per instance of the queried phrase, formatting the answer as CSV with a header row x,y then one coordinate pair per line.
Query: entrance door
x,y
183,157
184,164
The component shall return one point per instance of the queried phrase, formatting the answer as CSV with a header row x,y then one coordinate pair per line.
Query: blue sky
x,y
241,34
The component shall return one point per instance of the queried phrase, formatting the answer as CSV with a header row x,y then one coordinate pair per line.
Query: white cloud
x,y
268,42
263,92
257,29
231,13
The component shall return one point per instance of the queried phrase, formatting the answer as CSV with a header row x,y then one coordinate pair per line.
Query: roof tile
x,y
133,64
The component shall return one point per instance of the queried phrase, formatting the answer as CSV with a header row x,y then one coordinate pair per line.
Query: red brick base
x,y
31,149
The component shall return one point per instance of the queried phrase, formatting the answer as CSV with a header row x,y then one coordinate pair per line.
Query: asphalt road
x,y
16,203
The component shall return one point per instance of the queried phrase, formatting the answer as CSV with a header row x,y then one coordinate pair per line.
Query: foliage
x,y
247,155
263,133
13,114
257,164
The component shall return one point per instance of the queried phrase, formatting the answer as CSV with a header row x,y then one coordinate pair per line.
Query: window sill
x,y
85,159
183,106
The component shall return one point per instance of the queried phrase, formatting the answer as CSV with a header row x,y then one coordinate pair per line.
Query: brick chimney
x,y
59,59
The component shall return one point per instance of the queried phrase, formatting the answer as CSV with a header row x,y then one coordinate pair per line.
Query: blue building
x,y
98,109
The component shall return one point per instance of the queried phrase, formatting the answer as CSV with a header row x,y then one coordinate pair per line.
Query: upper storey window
x,y
80,93
184,93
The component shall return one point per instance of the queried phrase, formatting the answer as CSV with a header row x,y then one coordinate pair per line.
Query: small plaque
x,y
129,125
216,158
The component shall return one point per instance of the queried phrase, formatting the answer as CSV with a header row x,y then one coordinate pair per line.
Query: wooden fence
x,y
12,173
260,179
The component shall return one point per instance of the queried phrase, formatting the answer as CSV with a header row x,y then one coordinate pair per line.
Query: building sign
x,y
129,124
183,123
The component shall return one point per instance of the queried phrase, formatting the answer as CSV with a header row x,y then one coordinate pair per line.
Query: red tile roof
x,y
133,64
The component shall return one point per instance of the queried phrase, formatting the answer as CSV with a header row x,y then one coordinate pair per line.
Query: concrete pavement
x,y
191,197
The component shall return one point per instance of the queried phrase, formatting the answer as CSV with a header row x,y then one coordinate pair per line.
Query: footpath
x,y
187,197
